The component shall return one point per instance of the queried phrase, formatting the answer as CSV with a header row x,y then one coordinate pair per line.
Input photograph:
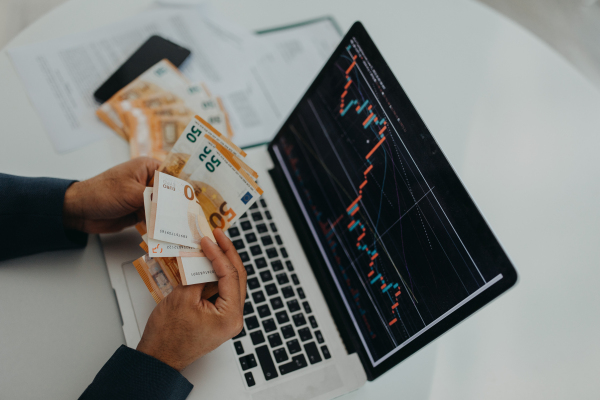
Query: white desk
x,y
519,124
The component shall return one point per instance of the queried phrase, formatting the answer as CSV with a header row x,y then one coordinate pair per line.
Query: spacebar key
x,y
266,362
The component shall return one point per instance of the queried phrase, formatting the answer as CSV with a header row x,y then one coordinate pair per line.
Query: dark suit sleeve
x,y
31,216
133,375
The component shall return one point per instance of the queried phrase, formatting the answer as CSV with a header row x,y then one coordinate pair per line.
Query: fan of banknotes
x,y
152,111
202,184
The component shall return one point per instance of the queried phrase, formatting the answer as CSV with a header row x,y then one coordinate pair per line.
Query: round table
x,y
519,124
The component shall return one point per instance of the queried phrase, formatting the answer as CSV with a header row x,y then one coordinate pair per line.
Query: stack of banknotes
x,y
152,111
202,184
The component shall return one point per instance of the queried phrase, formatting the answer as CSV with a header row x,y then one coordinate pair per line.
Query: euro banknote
x,y
189,141
176,215
223,189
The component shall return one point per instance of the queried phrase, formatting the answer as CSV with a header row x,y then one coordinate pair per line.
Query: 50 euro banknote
x,y
188,143
176,227
223,188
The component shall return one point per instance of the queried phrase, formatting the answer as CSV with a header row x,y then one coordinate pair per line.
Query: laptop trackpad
x,y
309,386
141,300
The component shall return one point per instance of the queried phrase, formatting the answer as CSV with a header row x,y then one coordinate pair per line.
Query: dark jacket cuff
x,y
31,216
130,374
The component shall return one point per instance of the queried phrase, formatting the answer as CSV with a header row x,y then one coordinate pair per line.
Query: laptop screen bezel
x,y
328,287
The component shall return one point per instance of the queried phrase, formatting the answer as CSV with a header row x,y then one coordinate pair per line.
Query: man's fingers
x,y
229,279
229,249
151,165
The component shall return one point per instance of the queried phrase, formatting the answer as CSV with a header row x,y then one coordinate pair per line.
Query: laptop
x,y
364,248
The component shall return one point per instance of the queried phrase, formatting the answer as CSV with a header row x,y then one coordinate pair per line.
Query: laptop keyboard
x,y
281,335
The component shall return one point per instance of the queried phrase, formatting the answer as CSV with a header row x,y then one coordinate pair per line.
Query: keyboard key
x,y
238,244
266,276
266,362
287,331
287,291
275,340
242,334
307,308
278,240
295,279
268,215
301,293
252,323
244,215
272,252
269,325
253,206
282,278
266,240
263,203
271,289
258,297
249,269
246,225
312,352
273,227
261,228
250,237
280,355
276,303
313,322
256,250
257,216
299,319
284,253
248,309
253,283
325,351
293,305
319,336
289,265
233,232
249,379
282,317
263,311
239,349
260,262
244,256
293,346
257,337
248,362
304,334
296,363
276,265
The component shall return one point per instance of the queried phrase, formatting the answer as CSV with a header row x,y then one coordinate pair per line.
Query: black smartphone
x,y
152,51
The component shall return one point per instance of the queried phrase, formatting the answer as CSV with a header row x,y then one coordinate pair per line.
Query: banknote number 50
x,y
191,137
216,219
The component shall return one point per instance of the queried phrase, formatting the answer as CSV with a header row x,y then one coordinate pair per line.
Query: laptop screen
x,y
400,236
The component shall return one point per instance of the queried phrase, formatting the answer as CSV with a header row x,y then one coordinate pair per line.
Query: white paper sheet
x,y
259,77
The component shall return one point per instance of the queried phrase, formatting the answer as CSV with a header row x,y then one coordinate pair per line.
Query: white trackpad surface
x,y
309,386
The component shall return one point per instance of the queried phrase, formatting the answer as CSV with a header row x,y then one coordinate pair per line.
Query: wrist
x,y
72,209
160,355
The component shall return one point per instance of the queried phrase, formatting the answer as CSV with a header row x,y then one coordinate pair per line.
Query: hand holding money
x,y
218,187
184,326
